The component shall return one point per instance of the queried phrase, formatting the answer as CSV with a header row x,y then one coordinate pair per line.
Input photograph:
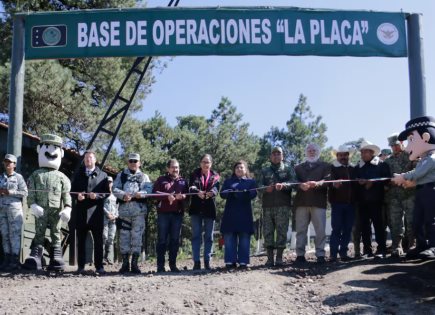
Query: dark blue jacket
x,y
238,209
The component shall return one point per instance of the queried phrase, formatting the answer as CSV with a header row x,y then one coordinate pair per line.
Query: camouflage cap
x,y
393,139
134,156
51,139
10,157
277,149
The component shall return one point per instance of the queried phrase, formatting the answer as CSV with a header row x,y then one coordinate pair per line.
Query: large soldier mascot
x,y
420,133
50,203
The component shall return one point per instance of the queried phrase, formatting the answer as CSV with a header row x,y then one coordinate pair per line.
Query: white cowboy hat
x,y
370,146
343,148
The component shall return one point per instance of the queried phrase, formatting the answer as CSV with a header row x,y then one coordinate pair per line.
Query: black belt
x,y
427,185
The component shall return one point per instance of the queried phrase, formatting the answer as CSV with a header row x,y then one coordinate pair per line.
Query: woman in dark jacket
x,y
202,210
237,223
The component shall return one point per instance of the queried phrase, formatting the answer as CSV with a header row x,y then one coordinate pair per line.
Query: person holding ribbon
x,y
370,196
205,182
170,211
237,224
130,187
93,188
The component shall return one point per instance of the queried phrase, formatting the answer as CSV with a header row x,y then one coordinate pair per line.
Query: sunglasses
x,y
133,161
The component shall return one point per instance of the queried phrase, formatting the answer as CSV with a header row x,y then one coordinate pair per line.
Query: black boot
x,y
278,260
56,260
134,266
125,263
33,262
196,265
269,262
14,263
173,267
207,264
6,261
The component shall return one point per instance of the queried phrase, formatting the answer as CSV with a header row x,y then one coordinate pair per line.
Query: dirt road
x,y
358,287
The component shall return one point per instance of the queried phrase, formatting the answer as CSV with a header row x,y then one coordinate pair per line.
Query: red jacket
x,y
167,184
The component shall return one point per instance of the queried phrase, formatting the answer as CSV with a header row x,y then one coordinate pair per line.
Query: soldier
x,y
12,191
91,185
131,187
110,215
50,202
276,202
399,201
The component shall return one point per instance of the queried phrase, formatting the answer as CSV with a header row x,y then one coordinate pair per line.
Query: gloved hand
x,y
65,214
37,211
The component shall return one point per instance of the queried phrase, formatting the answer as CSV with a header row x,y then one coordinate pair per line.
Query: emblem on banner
x,y
387,33
49,36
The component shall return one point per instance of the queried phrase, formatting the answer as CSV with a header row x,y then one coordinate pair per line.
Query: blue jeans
x,y
168,236
237,247
342,217
198,223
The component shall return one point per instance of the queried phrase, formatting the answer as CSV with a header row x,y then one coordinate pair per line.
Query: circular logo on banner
x,y
387,33
51,36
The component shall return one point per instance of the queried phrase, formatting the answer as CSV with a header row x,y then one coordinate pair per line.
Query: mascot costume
x,y
420,133
50,202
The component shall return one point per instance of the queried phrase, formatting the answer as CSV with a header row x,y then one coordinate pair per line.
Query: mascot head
x,y
420,133
50,152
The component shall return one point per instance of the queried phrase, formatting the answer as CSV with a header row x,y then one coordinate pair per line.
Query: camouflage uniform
x,y
110,207
49,189
276,204
400,201
11,212
132,212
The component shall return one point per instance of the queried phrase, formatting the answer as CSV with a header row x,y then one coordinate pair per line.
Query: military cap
x,y
51,139
417,123
134,156
10,157
393,139
277,149
386,151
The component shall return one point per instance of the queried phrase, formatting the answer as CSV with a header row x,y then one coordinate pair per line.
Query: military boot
x,y
107,253
269,262
33,262
125,263
56,260
278,260
14,263
207,264
6,260
134,261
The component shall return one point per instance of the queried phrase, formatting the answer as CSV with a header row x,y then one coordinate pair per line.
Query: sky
x,y
357,97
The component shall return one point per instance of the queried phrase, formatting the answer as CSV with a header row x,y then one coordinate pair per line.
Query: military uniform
x,y
109,232
399,202
11,214
276,204
50,202
132,212
49,189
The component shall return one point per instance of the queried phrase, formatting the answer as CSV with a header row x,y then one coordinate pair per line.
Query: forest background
x,y
70,96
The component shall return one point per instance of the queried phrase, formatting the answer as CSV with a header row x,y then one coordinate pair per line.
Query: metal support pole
x,y
417,82
16,95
